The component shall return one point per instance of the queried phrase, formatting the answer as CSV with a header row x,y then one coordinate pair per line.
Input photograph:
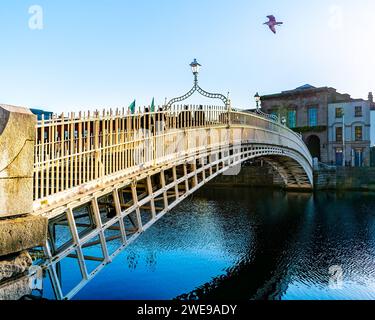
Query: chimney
x,y
370,97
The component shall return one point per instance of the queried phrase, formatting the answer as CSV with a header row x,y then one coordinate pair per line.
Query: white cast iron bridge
x,y
104,178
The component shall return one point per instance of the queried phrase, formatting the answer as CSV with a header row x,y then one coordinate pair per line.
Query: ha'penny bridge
x,y
89,184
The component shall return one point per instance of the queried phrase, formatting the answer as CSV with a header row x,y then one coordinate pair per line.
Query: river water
x,y
246,243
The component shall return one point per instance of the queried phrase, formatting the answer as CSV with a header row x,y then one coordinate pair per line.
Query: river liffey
x,y
246,243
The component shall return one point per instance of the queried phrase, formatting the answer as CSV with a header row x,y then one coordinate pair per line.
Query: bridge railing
x,y
73,150
291,139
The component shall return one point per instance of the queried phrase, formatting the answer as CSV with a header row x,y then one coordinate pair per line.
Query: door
x,y
339,157
358,158
313,144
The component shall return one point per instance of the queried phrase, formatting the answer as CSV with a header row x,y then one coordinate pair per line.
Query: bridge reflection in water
x,y
104,179
247,244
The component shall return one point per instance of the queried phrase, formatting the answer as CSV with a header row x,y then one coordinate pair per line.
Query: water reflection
x,y
248,243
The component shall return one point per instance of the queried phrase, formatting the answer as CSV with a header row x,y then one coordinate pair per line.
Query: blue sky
x,y
95,54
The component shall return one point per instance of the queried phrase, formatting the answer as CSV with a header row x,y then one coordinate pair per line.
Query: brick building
x,y
305,110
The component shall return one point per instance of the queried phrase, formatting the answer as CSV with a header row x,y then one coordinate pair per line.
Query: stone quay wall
x,y
19,229
345,178
251,176
340,178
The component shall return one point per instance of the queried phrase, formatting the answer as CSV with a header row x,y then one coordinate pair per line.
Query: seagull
x,y
272,23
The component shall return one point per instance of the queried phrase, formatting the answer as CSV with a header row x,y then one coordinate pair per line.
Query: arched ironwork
x,y
197,88
268,116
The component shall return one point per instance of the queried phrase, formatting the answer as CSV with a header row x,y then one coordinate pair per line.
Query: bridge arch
x,y
291,167
290,170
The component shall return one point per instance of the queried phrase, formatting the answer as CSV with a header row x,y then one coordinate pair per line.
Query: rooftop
x,y
305,89
305,86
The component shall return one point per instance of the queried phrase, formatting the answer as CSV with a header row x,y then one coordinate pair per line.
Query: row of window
x,y
358,134
292,117
357,112
313,116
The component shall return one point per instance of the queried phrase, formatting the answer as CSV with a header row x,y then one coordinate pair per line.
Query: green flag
x,y
132,107
153,105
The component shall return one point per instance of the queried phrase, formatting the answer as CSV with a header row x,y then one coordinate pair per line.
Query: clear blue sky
x,y
106,53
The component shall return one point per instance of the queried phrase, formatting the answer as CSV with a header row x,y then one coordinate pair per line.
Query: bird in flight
x,y
272,23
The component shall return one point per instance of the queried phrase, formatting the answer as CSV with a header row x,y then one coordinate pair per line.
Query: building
x,y
305,110
349,146
372,156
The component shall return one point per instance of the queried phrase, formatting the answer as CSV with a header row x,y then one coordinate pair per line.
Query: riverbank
x,y
345,178
251,176
330,178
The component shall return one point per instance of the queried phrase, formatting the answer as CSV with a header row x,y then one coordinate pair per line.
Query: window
x,y
358,133
358,111
338,112
313,117
338,134
292,118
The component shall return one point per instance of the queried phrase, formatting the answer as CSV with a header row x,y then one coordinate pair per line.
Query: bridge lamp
x,y
257,99
283,121
195,66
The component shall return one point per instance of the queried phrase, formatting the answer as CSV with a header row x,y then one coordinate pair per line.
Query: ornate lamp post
x,y
257,99
195,67
283,120
260,112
